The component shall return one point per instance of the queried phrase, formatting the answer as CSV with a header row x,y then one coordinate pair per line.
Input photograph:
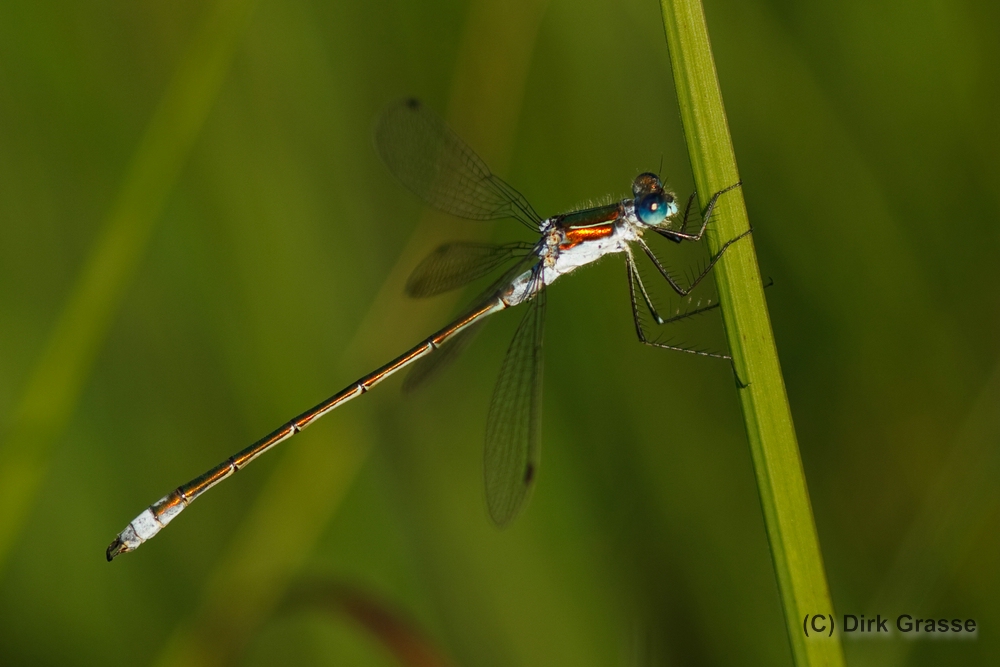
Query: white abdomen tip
x,y
146,525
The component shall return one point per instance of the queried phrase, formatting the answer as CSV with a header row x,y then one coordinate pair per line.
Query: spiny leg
x,y
701,309
682,235
704,309
687,211
642,290
705,218
633,278
708,267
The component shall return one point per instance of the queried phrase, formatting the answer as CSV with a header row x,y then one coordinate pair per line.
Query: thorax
x,y
576,239
580,238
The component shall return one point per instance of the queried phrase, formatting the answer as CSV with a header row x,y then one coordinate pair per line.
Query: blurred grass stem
x,y
784,498
57,380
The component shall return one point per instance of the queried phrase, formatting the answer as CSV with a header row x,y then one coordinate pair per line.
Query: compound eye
x,y
652,209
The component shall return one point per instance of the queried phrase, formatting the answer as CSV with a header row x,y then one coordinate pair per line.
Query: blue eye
x,y
652,209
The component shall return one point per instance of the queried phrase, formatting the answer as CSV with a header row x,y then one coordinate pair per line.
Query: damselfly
x,y
430,159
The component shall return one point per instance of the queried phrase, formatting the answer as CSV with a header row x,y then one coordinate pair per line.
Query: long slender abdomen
x,y
159,514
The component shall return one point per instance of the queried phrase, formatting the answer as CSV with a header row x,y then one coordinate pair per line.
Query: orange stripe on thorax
x,y
583,234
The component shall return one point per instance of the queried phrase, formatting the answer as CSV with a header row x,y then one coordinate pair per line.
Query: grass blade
x,y
784,498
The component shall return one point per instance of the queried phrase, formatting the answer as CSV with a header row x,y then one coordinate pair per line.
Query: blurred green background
x,y
197,242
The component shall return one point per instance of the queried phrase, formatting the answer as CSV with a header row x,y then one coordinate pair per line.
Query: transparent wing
x,y
456,264
513,427
432,161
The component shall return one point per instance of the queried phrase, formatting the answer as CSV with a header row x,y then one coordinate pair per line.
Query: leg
x,y
633,278
700,309
630,260
687,211
694,283
682,234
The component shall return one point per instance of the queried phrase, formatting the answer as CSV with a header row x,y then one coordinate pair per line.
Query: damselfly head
x,y
653,204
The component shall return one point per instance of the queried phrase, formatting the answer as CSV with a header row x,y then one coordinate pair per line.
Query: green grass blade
x,y
784,498
58,379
